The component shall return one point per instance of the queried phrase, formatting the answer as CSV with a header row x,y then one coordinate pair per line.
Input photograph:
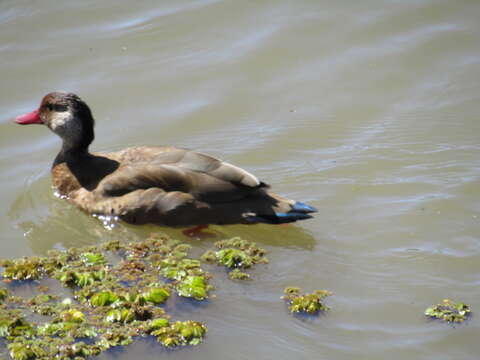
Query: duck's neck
x,y
75,145
76,131
71,155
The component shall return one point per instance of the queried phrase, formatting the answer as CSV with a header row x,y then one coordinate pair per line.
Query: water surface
x,y
367,110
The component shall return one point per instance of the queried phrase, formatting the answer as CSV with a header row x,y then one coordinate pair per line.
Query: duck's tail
x,y
297,211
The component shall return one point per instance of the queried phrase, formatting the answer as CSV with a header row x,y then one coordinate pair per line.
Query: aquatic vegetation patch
x,y
157,295
104,298
22,269
91,259
13,324
236,253
306,303
72,278
194,287
178,333
120,315
3,294
236,274
109,304
449,311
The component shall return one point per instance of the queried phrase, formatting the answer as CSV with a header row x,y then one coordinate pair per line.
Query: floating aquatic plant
x,y
236,253
120,315
81,279
449,311
236,274
22,351
193,286
104,298
64,329
109,303
72,315
91,259
178,333
307,303
156,295
13,324
3,294
23,269
174,268
234,258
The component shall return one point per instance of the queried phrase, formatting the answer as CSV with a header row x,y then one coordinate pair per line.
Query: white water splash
x,y
109,222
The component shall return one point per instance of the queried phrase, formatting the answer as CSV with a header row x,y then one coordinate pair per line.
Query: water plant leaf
x,y
449,311
19,351
72,315
180,333
307,303
156,295
120,315
209,256
104,298
236,253
194,287
3,294
50,329
158,323
234,258
236,274
93,258
176,269
14,325
23,269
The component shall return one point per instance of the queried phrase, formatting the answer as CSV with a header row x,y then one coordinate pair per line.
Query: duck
x,y
162,185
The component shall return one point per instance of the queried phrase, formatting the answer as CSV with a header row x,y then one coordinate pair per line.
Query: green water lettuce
x,y
179,333
91,259
104,298
3,294
236,253
193,286
156,295
306,303
22,269
109,303
449,311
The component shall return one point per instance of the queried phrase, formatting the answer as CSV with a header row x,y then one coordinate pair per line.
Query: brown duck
x,y
159,185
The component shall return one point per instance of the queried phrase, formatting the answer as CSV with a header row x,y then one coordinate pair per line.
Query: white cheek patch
x,y
59,119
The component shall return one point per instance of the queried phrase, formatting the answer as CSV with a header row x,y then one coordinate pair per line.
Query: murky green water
x,y
368,110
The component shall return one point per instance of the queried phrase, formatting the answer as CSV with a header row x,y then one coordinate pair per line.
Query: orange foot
x,y
197,233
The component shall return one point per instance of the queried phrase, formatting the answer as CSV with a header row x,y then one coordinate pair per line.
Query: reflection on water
x,y
367,110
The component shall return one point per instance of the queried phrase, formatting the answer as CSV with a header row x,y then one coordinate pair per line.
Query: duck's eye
x,y
59,107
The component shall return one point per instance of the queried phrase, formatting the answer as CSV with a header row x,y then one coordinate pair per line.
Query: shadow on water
x,y
308,318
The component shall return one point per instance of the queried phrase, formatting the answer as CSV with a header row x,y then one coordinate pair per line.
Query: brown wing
x,y
202,176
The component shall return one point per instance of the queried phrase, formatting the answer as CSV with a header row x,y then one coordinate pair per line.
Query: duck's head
x,y
66,115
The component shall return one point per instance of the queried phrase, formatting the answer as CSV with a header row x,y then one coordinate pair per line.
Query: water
x,y
367,110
